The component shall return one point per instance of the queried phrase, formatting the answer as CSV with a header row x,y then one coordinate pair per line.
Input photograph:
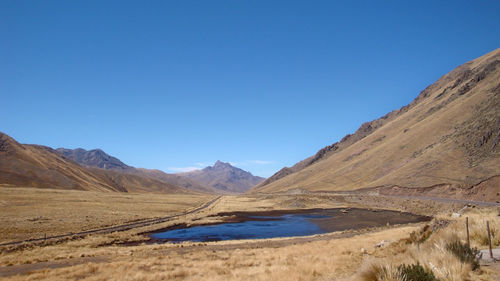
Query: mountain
x,y
41,166
178,180
220,178
224,177
94,158
445,141
97,158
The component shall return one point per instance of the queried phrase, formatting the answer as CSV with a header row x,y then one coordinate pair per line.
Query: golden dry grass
x,y
433,255
321,257
32,213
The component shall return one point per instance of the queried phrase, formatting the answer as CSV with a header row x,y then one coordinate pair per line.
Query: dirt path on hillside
x,y
427,198
446,200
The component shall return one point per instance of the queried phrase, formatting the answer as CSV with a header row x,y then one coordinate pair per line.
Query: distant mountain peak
x,y
219,164
225,177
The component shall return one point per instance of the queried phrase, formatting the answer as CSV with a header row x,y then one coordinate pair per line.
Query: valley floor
x,y
31,213
124,255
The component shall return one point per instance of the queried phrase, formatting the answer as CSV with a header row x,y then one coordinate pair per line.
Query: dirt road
x,y
447,200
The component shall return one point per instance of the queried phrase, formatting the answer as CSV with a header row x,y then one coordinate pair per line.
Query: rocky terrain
x,y
447,138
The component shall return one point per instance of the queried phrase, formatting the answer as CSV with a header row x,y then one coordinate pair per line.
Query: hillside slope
x,y
96,158
224,177
447,137
41,166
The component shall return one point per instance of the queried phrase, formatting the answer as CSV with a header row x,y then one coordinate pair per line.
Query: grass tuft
x,y
465,253
415,272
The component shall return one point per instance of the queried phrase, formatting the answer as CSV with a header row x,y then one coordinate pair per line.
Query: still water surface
x,y
282,224
255,227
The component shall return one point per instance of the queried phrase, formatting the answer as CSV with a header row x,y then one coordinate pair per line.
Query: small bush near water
x,y
415,272
465,253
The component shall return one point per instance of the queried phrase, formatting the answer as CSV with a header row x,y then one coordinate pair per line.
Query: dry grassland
x,y
320,257
273,202
331,259
32,213
433,255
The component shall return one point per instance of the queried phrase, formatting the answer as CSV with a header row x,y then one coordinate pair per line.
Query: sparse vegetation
x,y
465,253
415,272
421,235
373,271
412,272
443,252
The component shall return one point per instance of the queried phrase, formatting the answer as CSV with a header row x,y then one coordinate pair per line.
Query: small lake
x,y
289,223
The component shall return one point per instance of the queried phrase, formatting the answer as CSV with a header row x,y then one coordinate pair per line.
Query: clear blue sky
x,y
262,84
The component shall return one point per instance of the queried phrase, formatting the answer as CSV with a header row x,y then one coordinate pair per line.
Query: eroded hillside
x,y
448,136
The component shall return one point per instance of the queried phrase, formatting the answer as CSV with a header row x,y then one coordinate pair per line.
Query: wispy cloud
x,y
260,162
251,162
201,165
195,166
182,169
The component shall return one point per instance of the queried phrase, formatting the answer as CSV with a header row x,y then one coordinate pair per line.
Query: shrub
x,y
415,272
465,253
420,236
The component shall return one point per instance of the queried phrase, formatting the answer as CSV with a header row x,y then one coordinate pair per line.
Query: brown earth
x,y
448,137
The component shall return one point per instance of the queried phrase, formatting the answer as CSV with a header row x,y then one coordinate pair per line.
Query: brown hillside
x,y
40,166
448,136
